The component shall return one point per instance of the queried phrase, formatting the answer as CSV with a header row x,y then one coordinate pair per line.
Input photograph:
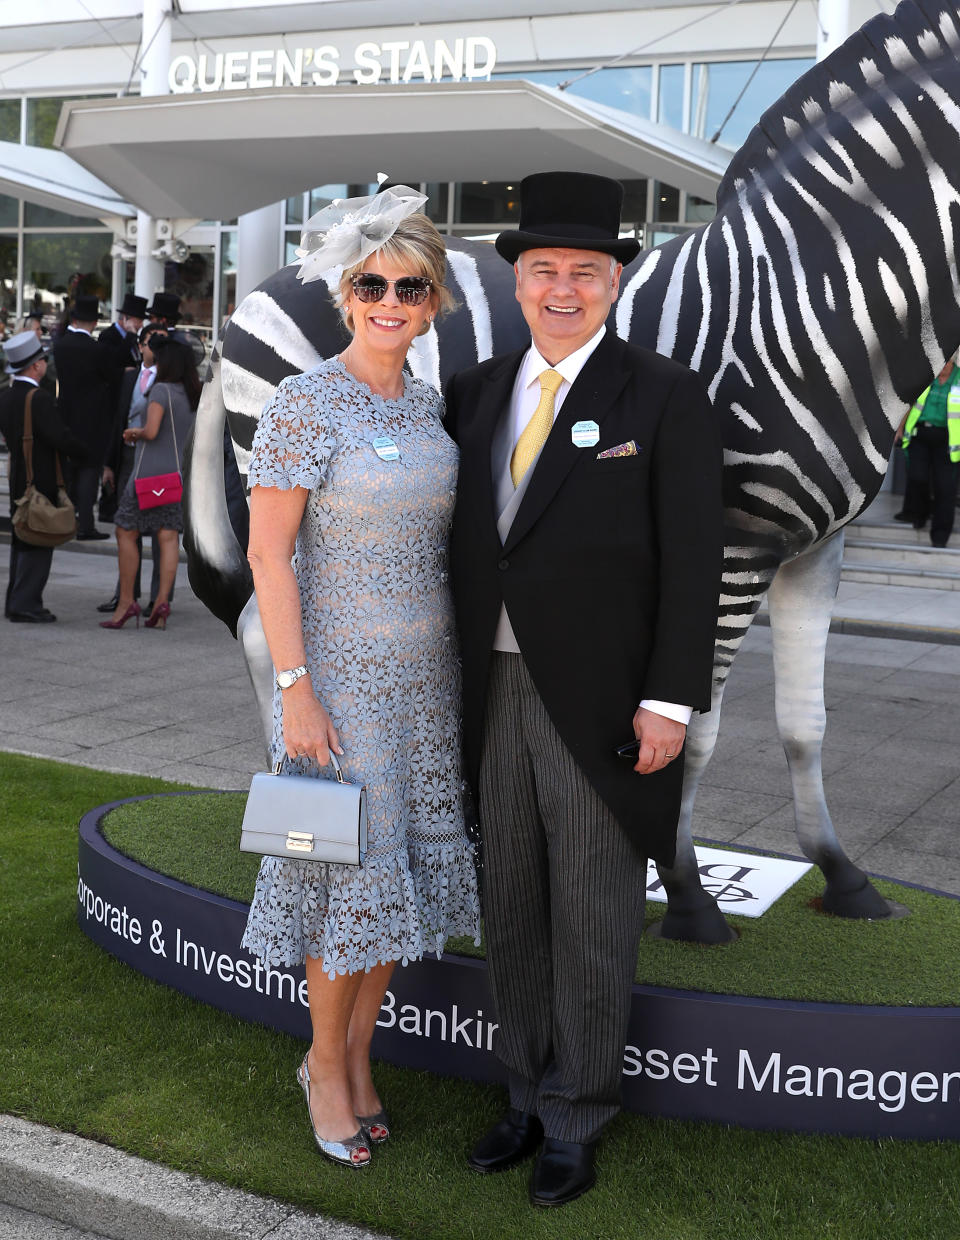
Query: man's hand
x,y
661,740
108,478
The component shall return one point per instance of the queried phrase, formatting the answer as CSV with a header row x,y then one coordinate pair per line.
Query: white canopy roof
x,y
53,179
218,155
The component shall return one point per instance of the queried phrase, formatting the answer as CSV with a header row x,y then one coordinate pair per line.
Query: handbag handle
x,y
26,443
338,771
143,445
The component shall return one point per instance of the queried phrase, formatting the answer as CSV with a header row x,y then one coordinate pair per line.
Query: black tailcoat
x,y
50,436
121,350
610,573
87,399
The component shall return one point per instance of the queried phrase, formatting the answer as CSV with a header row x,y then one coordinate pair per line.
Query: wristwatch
x,y
290,677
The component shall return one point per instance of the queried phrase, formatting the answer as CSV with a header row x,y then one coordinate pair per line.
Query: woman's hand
x,y
307,728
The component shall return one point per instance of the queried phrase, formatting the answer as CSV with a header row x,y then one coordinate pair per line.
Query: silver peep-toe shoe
x,y
379,1121
346,1153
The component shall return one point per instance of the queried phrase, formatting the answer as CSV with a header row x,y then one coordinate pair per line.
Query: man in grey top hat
x,y
29,565
585,555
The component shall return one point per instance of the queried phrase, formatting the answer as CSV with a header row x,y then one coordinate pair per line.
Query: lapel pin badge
x,y
585,434
385,448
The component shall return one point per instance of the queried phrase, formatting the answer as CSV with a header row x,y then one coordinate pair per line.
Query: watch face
x,y
286,679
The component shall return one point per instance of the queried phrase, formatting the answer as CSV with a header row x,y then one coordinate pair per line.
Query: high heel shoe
x,y
346,1153
376,1128
133,611
158,617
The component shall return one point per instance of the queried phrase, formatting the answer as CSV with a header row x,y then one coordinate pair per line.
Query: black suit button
x,y
504,564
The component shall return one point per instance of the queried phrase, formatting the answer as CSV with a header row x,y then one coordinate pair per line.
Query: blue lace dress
x,y
381,649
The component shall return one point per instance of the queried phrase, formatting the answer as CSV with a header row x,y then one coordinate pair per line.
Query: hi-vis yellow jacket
x,y
953,417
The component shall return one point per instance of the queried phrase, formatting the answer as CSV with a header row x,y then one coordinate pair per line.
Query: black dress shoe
x,y
92,536
111,606
507,1143
903,516
563,1172
31,617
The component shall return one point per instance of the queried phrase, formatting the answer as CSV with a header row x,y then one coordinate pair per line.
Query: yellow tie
x,y
535,432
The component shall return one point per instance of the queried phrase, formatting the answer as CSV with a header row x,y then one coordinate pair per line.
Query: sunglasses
x,y
409,290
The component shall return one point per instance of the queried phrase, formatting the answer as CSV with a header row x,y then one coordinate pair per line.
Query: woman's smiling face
x,y
387,326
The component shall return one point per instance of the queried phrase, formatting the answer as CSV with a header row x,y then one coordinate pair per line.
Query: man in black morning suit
x,y
586,555
86,375
120,343
30,565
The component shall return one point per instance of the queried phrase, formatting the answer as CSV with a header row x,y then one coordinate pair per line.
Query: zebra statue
x,y
817,304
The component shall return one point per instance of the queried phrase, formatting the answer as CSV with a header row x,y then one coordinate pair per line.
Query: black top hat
x,y
569,211
165,306
85,309
134,306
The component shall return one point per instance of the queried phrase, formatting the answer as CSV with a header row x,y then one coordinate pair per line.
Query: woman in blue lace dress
x,y
352,478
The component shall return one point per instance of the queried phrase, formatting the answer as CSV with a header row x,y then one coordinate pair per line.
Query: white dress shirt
x,y
523,402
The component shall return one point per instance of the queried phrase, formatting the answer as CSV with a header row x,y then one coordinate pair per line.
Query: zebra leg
x,y
693,915
801,601
259,666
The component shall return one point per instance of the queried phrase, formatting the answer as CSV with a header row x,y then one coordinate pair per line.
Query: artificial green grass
x,y
792,952
91,1047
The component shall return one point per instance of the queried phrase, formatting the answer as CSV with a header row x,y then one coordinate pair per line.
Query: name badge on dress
x,y
386,449
585,434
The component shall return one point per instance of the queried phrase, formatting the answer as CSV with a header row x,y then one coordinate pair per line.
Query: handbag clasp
x,y
299,841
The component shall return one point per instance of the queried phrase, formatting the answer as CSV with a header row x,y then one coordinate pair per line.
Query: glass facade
x,y
57,254
59,266
9,120
716,86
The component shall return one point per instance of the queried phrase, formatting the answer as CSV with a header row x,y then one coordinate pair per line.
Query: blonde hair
x,y
418,247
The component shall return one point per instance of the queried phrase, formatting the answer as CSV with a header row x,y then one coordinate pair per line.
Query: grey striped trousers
x,y
563,912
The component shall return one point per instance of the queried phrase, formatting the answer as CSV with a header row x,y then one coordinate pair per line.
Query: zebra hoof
x,y
862,902
706,925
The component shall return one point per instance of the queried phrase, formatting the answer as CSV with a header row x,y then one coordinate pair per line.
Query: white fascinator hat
x,y
351,229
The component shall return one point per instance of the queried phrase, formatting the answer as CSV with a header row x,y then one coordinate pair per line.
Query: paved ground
x,y
178,704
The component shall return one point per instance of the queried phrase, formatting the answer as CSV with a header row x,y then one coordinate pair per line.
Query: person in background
x,y
30,565
119,341
34,323
930,436
160,441
131,411
85,374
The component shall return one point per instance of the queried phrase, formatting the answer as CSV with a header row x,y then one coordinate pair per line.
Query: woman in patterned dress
x,y
353,478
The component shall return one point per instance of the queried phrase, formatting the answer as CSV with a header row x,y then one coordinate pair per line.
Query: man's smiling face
x,y
565,296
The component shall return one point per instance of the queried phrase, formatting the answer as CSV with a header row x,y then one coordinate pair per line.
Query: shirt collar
x,y
82,331
534,364
25,379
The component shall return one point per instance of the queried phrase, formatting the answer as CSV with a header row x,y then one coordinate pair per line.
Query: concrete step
x,y
895,575
865,551
889,532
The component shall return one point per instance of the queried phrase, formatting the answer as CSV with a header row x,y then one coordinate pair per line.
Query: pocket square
x,y
622,449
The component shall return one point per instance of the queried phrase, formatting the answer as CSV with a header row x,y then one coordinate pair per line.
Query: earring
x,y
429,318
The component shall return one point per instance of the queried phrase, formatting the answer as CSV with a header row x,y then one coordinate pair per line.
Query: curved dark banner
x,y
757,1063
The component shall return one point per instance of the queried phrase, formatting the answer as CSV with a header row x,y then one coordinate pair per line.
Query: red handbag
x,y
159,489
